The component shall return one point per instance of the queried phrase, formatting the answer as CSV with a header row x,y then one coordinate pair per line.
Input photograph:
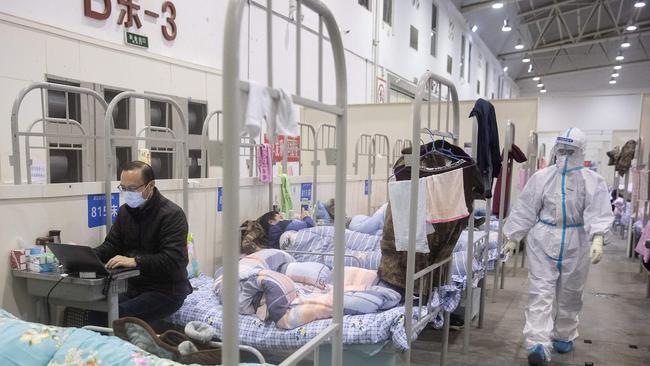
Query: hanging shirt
x,y
517,155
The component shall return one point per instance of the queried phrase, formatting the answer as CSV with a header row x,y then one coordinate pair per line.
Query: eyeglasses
x,y
123,189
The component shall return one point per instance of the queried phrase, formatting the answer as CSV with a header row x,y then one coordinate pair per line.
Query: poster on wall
x,y
381,91
293,148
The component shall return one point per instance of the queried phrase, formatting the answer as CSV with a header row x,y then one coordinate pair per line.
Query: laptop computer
x,y
81,258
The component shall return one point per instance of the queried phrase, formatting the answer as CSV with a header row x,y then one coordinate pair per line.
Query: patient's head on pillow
x,y
269,218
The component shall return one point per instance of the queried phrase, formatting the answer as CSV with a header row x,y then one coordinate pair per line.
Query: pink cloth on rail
x,y
264,165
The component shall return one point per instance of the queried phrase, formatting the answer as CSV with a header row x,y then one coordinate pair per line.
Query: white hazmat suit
x,y
560,211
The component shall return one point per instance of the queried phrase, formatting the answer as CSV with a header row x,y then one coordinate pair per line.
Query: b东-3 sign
x,y
129,16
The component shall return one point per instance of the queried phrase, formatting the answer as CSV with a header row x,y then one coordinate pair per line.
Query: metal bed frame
x,y
531,168
248,146
635,205
381,144
499,269
308,143
15,160
424,88
253,351
398,146
325,142
232,102
365,146
180,150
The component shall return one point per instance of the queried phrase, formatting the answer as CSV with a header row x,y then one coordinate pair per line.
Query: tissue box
x,y
18,259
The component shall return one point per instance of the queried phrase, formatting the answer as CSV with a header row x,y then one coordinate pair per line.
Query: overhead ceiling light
x,y
615,75
543,91
506,26
625,44
637,4
497,5
505,69
519,45
631,27
536,78
618,67
540,84
620,57
612,81
525,60
474,28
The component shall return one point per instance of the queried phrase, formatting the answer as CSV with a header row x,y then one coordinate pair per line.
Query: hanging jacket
x,y
517,155
624,160
487,147
392,267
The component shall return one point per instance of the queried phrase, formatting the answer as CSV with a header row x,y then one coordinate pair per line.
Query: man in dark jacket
x,y
150,232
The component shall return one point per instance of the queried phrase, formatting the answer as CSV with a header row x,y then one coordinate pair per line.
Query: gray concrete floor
x,y
615,320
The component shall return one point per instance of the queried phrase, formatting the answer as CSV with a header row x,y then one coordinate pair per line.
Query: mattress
x,y
202,305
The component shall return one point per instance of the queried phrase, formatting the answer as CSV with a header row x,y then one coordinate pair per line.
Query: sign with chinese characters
x,y
220,199
130,16
136,40
305,195
97,209
381,90
293,148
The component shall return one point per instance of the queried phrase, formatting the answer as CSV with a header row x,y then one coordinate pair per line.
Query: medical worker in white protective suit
x,y
564,212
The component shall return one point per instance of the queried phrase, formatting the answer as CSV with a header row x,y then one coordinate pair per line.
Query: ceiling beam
x,y
584,69
545,7
566,12
596,33
482,4
550,19
572,45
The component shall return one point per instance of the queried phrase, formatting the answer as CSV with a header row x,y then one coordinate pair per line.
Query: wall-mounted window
x,y
196,113
469,63
194,168
450,64
121,112
123,154
65,163
387,14
463,42
65,157
365,3
162,163
158,115
434,30
56,102
413,40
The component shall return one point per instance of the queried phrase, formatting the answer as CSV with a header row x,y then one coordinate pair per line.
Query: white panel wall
x,y
609,112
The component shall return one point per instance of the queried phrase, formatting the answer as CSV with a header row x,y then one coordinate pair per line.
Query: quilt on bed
x,y
25,343
203,305
321,239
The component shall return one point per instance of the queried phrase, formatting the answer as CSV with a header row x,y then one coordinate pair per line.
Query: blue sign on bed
x,y
219,199
97,209
365,187
305,195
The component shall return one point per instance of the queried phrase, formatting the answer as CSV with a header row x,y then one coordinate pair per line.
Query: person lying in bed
x,y
274,226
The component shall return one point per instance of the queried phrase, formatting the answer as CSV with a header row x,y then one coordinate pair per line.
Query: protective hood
x,y
572,140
